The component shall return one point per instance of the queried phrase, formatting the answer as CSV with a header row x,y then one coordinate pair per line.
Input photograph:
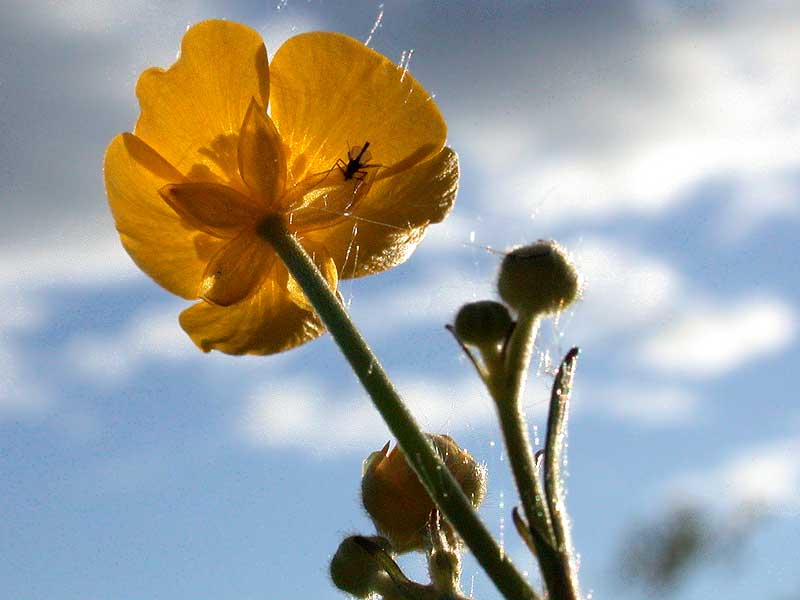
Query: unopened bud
x,y
356,571
483,323
398,503
538,279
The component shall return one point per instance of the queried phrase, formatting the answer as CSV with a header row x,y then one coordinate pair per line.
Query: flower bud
x,y
484,323
398,503
354,570
538,279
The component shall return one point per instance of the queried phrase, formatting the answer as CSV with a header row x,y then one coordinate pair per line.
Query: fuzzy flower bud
x,y
354,570
398,503
538,279
484,323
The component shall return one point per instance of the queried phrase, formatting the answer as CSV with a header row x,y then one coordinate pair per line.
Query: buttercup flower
x,y
351,156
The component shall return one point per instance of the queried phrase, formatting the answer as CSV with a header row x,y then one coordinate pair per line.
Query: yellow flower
x,y
351,156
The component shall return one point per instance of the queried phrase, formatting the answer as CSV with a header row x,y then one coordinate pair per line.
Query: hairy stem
x,y
507,386
554,449
440,484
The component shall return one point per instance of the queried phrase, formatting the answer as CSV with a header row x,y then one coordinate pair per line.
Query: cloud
x,y
641,403
21,393
678,328
22,312
151,335
74,259
755,200
618,118
456,230
710,340
305,415
433,297
625,289
765,476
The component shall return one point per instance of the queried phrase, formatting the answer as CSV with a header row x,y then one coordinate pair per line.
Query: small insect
x,y
357,163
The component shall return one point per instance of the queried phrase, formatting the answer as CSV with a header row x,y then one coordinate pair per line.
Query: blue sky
x,y
659,141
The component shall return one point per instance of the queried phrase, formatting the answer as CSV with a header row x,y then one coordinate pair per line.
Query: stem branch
x,y
507,387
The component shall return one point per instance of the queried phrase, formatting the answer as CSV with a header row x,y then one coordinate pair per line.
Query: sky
x,y
658,141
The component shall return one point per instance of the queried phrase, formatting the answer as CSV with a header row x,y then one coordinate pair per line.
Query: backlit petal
x,y
265,323
160,242
192,112
331,199
211,207
237,269
330,92
391,219
262,161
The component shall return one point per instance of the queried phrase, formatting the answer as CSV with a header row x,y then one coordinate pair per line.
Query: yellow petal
x,y
391,219
265,323
331,199
262,162
211,207
162,244
192,112
237,269
330,92
326,266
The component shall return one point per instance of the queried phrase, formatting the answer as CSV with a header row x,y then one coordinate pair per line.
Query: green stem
x,y
440,484
554,448
507,388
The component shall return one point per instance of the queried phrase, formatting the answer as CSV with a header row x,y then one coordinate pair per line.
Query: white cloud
x,y
616,131
765,476
72,257
148,336
84,258
297,414
710,340
681,329
21,312
625,289
434,297
21,395
303,414
447,236
86,16
641,403
755,200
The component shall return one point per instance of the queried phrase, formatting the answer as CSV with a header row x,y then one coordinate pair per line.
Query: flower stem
x,y
440,484
507,386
